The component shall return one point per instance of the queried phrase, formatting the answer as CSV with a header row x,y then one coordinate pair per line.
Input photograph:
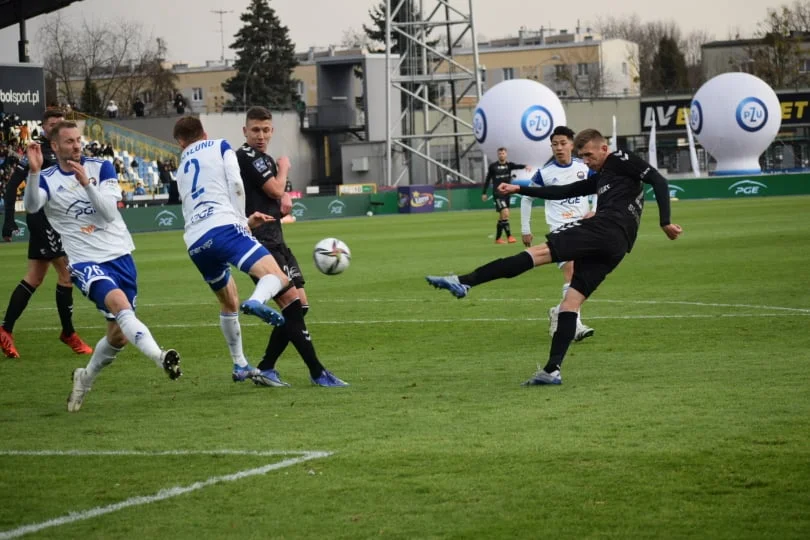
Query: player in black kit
x,y
44,250
498,173
265,181
596,245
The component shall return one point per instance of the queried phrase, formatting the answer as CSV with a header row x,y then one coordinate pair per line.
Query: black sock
x,y
506,228
64,304
16,304
278,342
508,267
498,229
566,328
296,332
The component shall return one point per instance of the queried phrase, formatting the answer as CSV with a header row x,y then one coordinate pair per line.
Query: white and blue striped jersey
x,y
89,234
558,213
211,188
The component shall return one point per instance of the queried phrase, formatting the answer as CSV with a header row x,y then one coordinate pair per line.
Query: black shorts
x,y
44,243
501,203
594,245
288,263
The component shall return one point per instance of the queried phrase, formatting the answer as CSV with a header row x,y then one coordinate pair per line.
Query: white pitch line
x,y
161,495
474,299
451,320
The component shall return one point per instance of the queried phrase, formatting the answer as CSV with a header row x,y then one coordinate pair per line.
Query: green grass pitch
x,y
687,415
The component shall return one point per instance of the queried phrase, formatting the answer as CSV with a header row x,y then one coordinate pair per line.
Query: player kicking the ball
x,y
596,245
217,235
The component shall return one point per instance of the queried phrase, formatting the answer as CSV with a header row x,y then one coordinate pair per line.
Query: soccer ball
x,y
331,256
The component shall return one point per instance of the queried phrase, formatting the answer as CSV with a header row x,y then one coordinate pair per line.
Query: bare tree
x,y
646,35
120,61
776,55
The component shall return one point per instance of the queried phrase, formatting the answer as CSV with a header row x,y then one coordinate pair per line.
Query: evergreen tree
x,y
91,101
669,66
265,59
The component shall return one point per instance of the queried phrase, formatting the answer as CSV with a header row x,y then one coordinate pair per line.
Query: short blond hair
x,y
587,135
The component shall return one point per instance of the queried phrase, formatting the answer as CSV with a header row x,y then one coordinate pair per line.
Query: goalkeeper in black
x,y
498,173
596,245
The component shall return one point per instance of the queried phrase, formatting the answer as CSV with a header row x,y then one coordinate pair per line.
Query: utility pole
x,y
221,12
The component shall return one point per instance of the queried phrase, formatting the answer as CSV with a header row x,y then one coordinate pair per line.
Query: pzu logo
x,y
480,125
696,117
537,123
752,115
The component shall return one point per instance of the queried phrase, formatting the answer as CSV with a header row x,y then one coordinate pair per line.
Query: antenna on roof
x,y
221,12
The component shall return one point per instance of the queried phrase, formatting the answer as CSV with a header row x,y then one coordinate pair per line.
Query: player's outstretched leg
x,y
449,283
262,311
139,335
508,267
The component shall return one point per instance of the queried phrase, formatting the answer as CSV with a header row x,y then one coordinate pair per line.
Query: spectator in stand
x,y
180,103
139,189
138,107
112,110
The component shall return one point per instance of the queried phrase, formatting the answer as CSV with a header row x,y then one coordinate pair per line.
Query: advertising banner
x,y
22,91
415,199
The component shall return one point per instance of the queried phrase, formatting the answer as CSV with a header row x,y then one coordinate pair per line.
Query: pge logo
x,y
480,125
165,219
537,123
439,201
674,191
80,208
20,232
752,115
336,207
696,117
298,210
747,187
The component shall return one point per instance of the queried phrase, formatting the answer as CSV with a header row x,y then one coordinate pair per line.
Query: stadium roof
x,y
14,11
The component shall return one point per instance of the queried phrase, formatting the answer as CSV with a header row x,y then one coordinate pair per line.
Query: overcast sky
x,y
192,30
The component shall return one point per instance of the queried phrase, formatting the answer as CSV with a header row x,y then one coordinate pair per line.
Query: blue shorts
x,y
221,246
96,280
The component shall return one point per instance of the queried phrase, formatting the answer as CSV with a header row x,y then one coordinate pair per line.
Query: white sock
x,y
229,323
103,356
139,335
565,289
266,288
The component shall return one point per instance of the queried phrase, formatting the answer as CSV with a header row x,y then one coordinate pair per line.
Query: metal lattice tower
x,y
433,84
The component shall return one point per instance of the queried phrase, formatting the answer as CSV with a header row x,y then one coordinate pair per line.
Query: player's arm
x,y
488,179
636,167
274,186
10,199
234,177
577,189
516,166
36,189
106,194
526,211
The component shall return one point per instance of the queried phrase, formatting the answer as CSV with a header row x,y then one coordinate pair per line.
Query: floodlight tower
x,y
421,39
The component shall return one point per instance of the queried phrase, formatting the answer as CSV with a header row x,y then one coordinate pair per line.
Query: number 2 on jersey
x,y
195,191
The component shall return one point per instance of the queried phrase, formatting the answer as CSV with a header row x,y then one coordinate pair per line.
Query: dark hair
x,y
585,136
64,124
258,113
565,131
52,113
188,129
502,148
